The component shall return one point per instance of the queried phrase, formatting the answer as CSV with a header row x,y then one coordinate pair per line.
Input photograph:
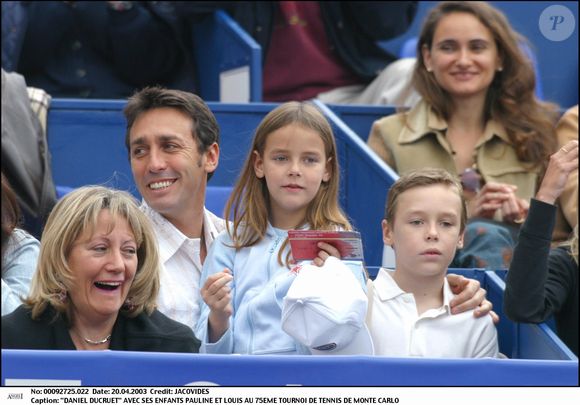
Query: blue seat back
x,y
360,118
229,61
365,181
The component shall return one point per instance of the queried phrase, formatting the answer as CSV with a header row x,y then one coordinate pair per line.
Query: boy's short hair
x,y
422,178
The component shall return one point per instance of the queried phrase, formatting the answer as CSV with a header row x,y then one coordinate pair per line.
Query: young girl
x,y
290,180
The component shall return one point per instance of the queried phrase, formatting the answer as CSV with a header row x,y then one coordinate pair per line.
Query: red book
x,y
304,243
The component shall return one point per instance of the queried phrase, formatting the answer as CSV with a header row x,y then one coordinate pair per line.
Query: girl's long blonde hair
x,y
248,205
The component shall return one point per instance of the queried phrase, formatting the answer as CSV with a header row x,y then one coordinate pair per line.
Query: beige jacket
x,y
567,215
422,143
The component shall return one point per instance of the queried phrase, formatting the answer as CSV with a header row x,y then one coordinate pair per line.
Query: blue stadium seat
x,y
229,61
360,118
216,198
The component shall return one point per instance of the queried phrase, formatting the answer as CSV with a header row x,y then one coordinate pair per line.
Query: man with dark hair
x,y
173,143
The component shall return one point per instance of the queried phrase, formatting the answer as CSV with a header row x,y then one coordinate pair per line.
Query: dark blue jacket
x,y
86,49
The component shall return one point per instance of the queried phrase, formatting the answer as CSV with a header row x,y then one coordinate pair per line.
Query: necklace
x,y
97,342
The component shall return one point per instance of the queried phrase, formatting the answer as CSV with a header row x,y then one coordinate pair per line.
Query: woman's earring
x,y
62,296
499,69
128,305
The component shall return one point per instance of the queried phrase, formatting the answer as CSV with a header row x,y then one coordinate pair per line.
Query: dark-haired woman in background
x,y
479,118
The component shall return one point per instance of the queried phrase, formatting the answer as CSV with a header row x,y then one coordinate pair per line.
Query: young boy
x,y
409,313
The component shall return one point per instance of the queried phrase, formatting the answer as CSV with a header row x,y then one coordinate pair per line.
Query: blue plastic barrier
x,y
109,368
222,47
366,180
360,118
538,357
216,198
87,141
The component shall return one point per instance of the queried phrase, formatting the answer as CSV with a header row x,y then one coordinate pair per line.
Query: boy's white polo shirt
x,y
398,331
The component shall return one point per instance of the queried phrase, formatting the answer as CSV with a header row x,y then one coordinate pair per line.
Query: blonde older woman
x,y
96,283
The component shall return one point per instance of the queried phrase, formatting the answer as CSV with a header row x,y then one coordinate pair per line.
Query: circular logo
x,y
557,23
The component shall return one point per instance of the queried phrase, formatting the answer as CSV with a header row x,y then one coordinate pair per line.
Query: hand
x,y
491,198
469,295
514,210
562,163
216,294
326,250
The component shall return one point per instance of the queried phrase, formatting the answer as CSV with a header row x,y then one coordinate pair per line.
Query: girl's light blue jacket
x,y
259,286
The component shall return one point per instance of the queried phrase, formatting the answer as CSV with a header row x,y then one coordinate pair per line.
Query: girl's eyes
x,y
416,222
307,160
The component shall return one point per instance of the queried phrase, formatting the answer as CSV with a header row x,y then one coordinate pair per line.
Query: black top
x,y
144,333
543,282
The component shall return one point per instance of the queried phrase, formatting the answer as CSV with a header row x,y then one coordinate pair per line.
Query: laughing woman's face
x,y
104,264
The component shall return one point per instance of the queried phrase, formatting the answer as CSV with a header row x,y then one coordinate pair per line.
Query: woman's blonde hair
x,y
248,205
74,214
511,96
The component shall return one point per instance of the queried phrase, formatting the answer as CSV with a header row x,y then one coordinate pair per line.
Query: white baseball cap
x,y
325,310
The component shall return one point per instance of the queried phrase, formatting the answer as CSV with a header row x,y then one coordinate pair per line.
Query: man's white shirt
x,y
181,265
